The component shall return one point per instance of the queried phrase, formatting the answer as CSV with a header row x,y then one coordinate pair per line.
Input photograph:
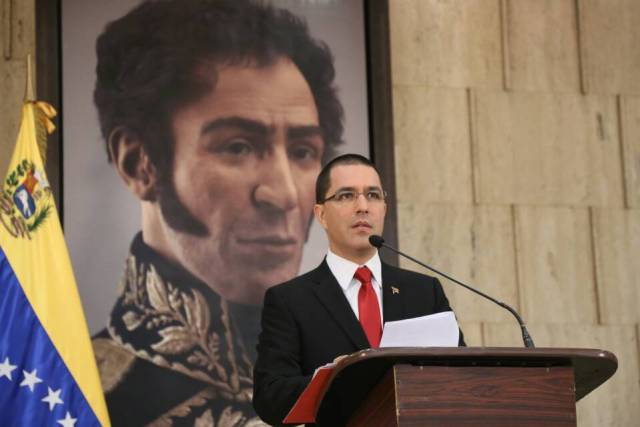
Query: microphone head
x,y
376,241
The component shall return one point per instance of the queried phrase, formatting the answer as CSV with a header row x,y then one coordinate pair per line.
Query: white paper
x,y
435,330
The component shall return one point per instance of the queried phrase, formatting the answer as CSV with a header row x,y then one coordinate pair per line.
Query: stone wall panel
x,y
610,36
547,149
555,265
630,119
617,249
12,83
452,43
472,244
543,45
432,144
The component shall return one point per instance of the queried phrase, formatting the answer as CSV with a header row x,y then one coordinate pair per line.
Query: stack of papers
x,y
435,330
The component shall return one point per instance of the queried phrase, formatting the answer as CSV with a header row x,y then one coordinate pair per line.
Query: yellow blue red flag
x,y
48,374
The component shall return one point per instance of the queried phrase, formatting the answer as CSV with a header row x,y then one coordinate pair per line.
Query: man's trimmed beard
x,y
178,217
174,212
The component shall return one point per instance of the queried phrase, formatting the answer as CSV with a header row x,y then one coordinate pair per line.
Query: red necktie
x,y
368,307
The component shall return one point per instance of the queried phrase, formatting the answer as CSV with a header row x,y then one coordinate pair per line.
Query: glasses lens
x,y
374,195
350,196
346,196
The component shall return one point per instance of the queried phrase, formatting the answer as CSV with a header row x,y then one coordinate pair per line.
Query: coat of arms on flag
x,y
27,193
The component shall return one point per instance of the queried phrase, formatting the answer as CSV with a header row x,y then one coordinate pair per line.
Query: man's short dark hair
x,y
323,182
149,58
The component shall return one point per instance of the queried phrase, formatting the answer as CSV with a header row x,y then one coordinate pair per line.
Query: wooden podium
x,y
463,386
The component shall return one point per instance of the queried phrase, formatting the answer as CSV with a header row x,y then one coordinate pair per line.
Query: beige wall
x,y
17,39
518,165
517,126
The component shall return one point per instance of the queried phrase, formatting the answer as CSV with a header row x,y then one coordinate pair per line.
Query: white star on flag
x,y
67,421
30,379
53,398
6,368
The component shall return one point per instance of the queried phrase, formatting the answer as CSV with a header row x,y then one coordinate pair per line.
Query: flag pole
x,y
29,93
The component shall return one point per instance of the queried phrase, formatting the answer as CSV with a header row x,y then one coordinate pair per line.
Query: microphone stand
x,y
378,242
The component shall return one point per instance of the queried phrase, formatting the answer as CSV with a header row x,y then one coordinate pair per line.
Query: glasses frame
x,y
358,194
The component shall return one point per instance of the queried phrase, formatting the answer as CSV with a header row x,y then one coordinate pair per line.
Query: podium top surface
x,y
591,367
351,379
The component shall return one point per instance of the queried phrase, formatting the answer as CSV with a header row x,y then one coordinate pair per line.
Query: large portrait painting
x,y
193,132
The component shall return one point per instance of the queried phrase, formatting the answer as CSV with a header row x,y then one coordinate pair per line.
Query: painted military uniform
x,y
171,354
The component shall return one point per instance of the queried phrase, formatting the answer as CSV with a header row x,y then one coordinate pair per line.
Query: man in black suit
x,y
328,312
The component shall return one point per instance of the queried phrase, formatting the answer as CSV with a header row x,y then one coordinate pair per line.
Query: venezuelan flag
x,y
48,374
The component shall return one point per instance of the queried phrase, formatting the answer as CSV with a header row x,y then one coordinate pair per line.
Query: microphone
x,y
378,242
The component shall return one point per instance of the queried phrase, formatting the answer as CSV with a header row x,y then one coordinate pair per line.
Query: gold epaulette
x,y
114,362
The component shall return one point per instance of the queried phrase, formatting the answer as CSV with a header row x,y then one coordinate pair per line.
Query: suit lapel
x,y
392,296
332,297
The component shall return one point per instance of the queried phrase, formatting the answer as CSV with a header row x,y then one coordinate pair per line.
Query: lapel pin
x,y
395,290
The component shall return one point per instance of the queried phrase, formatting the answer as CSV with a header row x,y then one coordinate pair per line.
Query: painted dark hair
x,y
149,58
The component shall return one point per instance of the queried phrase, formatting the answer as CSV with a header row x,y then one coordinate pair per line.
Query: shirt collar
x,y
344,270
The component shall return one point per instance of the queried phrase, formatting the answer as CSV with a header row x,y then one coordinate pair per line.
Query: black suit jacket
x,y
307,322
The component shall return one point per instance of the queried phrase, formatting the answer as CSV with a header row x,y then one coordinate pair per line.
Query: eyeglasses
x,y
373,195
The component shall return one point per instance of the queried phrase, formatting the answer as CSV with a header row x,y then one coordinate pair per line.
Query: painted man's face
x,y
246,158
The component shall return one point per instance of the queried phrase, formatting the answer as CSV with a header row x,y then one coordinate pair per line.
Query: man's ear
x,y
318,211
132,163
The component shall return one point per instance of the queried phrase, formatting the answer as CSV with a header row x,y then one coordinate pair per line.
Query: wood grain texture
x,y
467,385
379,407
614,403
446,43
489,395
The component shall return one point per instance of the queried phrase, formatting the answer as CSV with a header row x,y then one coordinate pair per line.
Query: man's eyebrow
x,y
255,126
368,188
304,131
248,125
345,189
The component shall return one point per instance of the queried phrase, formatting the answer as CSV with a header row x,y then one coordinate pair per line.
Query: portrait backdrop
x,y
100,214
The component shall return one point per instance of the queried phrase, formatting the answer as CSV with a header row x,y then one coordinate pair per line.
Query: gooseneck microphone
x,y
378,242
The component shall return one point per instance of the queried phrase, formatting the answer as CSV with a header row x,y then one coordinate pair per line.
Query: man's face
x,y
350,223
246,158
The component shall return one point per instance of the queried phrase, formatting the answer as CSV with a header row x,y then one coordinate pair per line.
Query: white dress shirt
x,y
344,270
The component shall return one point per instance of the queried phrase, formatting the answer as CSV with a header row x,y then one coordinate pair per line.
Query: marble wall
x,y
517,126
